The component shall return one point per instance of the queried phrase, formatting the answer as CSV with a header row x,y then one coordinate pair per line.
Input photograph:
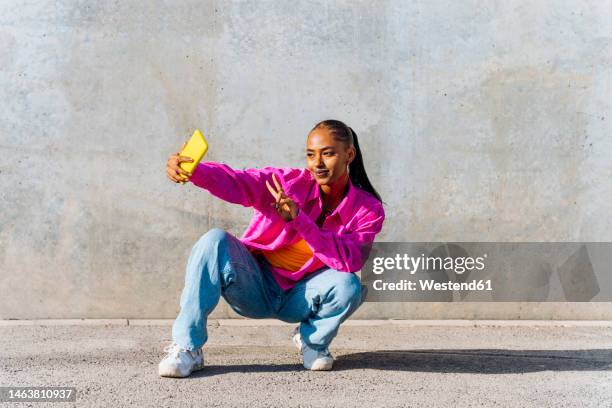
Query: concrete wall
x,y
479,121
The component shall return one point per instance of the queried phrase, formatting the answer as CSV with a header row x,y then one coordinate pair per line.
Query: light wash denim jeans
x,y
221,265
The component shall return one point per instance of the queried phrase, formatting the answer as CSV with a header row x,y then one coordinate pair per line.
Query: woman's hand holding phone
x,y
173,169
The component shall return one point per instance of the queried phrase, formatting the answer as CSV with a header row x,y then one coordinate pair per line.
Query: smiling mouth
x,y
321,173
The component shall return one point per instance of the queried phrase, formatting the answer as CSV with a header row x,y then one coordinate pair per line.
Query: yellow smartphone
x,y
195,148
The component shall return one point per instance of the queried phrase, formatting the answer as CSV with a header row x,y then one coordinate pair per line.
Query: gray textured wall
x,y
479,121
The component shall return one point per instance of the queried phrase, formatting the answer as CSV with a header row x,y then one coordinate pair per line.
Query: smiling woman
x,y
311,229
333,156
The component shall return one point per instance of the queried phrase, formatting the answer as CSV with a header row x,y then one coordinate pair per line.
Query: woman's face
x,y
326,158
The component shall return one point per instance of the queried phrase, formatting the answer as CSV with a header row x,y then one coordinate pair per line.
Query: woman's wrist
x,y
296,214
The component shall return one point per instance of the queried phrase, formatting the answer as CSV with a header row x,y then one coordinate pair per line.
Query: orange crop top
x,y
291,257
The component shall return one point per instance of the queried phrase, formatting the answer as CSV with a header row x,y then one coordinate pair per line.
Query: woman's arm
x,y
244,187
343,252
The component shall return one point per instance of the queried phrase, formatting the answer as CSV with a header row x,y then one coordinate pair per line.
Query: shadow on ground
x,y
472,361
483,361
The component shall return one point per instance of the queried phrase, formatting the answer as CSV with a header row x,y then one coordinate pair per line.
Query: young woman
x,y
311,229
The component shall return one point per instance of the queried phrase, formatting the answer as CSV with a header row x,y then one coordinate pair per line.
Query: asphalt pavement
x,y
378,364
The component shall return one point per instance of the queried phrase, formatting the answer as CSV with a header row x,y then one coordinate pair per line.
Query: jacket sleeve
x,y
245,187
343,252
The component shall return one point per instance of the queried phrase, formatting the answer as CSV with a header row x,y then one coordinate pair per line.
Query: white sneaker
x,y
297,338
180,362
313,359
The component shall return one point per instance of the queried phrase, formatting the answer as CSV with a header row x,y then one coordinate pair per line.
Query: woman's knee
x,y
346,288
213,237
205,255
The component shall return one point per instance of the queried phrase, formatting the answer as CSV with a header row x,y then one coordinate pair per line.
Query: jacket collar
x,y
344,209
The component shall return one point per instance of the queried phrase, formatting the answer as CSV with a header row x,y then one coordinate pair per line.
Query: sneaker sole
x,y
322,366
179,375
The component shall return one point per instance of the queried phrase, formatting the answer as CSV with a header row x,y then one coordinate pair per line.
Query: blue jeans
x,y
221,265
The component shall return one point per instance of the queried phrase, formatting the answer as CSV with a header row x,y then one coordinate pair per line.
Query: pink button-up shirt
x,y
342,243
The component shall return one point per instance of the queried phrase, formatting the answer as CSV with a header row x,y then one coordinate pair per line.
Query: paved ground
x,y
254,363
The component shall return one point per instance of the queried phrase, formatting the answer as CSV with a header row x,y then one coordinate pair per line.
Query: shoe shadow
x,y
211,370
481,361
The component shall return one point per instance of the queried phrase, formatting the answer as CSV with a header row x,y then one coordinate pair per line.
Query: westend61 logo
x,y
412,264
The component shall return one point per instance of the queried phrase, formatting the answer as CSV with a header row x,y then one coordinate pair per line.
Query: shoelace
x,y
174,349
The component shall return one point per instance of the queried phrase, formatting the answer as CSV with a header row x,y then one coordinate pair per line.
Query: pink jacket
x,y
344,241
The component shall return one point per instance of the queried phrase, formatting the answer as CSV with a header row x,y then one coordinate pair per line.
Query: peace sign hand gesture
x,y
285,206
